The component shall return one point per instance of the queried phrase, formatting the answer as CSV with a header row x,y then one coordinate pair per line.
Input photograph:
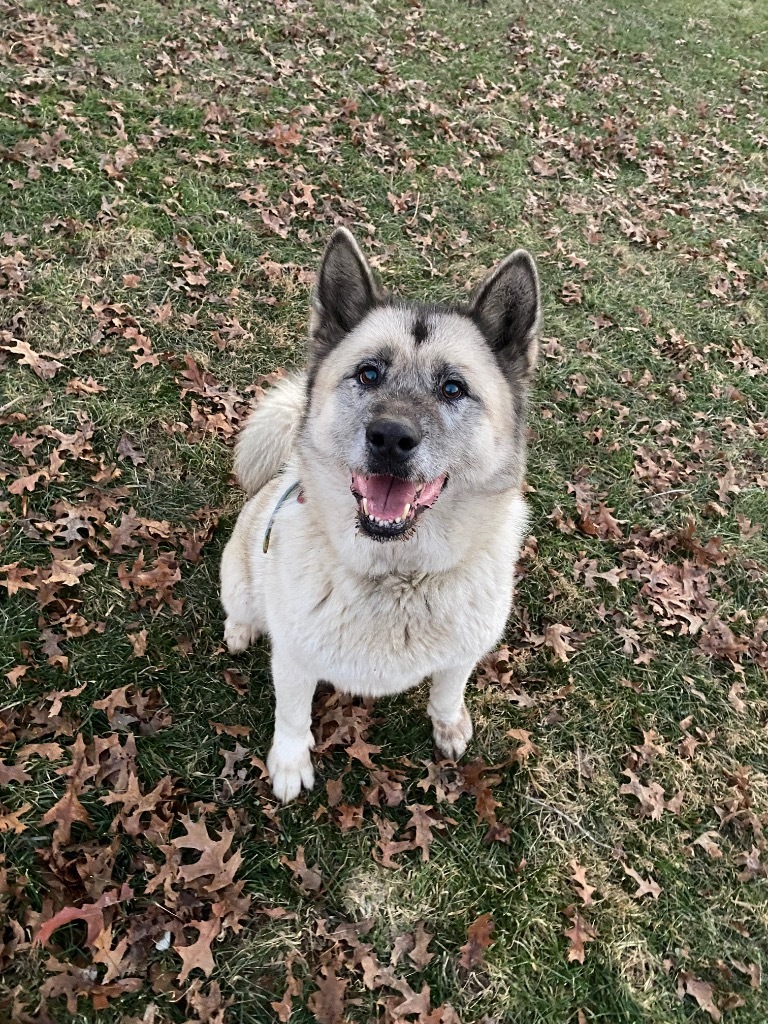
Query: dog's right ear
x,y
344,293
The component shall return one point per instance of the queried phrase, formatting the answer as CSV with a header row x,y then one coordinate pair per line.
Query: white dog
x,y
379,545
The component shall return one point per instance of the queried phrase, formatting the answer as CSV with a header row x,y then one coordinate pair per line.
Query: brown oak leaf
x,y
478,940
64,813
126,450
13,773
645,887
213,860
44,368
701,991
527,747
139,642
651,797
115,960
422,822
578,934
292,988
387,846
10,821
579,878
327,1001
419,956
91,913
309,879
556,637
362,751
199,954
708,842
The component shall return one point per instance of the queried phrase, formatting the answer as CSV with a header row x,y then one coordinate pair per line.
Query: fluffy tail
x,y
266,441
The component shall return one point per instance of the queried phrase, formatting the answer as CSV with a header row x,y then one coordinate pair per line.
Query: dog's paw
x,y
290,771
238,636
451,738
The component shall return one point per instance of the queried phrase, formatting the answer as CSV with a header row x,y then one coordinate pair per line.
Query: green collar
x,y
293,489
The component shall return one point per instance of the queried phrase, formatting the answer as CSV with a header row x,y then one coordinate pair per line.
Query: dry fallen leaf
x,y
139,642
556,637
309,879
293,988
478,940
708,842
419,956
327,1001
387,846
422,822
701,991
91,913
199,953
527,747
578,934
127,450
44,368
651,797
644,887
64,813
216,863
579,878
10,821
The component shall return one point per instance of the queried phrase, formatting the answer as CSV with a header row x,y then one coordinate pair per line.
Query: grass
x,y
625,146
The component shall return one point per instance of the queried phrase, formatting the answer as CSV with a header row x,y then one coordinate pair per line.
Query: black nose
x,y
392,439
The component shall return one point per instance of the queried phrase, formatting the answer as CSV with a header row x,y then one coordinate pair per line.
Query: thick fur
x,y
377,617
267,439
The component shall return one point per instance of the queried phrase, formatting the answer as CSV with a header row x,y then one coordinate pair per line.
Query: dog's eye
x,y
452,389
368,375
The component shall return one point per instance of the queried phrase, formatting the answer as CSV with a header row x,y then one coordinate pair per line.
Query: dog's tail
x,y
266,441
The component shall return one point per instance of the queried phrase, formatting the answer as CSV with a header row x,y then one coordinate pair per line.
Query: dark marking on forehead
x,y
420,330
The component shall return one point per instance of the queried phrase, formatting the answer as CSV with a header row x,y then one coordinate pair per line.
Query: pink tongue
x,y
387,496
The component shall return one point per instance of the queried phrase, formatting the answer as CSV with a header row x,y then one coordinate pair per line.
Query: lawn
x,y
170,173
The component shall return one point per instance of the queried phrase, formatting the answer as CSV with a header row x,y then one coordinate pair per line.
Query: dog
x,y
378,545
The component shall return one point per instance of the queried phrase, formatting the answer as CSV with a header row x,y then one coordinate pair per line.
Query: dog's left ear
x,y
344,293
508,309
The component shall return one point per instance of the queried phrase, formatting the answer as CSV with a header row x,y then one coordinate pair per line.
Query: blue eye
x,y
368,375
452,389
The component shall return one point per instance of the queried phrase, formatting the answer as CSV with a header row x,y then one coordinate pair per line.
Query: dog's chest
x,y
379,636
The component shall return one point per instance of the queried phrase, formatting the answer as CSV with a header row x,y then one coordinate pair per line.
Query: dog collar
x,y
293,489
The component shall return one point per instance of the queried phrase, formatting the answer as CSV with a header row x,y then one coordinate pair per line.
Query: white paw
x,y
451,738
238,636
290,768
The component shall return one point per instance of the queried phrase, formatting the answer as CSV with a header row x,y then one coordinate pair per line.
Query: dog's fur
x,y
375,607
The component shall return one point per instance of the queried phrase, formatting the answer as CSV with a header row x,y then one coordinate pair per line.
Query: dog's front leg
x,y
289,762
452,726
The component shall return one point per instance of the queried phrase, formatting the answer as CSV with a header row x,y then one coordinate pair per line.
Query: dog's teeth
x,y
406,510
365,506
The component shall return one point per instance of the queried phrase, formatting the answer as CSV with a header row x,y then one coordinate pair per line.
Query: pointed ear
x,y
344,293
508,310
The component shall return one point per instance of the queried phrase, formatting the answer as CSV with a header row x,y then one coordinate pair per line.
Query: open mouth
x,y
388,506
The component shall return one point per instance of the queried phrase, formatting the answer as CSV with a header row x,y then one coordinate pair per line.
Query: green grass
x,y
648,121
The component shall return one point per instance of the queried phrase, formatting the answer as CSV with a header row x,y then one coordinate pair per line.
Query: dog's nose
x,y
393,439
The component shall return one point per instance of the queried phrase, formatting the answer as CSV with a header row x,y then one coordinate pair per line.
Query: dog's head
x,y
411,404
